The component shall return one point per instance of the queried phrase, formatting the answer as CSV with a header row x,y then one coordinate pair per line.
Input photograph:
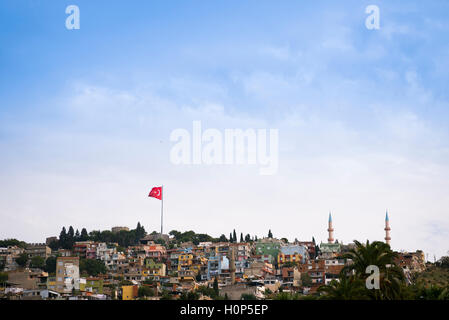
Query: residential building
x,y
292,253
129,292
268,246
38,250
67,274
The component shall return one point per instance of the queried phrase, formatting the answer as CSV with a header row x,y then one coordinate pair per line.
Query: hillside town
x,y
160,266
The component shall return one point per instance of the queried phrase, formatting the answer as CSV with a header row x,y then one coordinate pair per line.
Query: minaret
x,y
330,230
387,229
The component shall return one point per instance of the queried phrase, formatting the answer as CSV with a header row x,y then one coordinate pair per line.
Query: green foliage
x,y
392,279
22,260
215,287
191,295
206,291
50,265
166,295
306,281
37,262
3,278
12,242
351,284
270,235
145,291
187,236
443,262
123,238
248,296
347,288
126,283
433,276
92,267
286,296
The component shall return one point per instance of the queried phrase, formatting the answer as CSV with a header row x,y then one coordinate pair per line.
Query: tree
x,y
443,262
50,265
139,232
3,278
216,289
92,267
54,245
84,236
306,281
12,242
175,234
347,288
234,236
286,296
22,260
37,262
70,238
247,238
191,295
223,238
392,279
241,237
270,235
206,291
63,238
145,291
230,237
77,235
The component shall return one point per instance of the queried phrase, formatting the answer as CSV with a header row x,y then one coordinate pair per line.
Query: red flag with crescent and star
x,y
156,192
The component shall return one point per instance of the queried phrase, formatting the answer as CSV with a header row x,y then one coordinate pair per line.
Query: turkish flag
x,y
156,192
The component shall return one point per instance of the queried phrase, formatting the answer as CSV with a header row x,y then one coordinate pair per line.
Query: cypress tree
x,y
84,236
63,238
216,290
70,238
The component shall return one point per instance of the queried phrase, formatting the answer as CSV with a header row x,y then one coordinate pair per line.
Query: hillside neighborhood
x,y
131,264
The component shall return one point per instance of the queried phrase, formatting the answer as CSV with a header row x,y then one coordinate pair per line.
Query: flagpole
x,y
162,208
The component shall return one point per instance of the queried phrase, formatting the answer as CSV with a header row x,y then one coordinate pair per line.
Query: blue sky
x,y
85,117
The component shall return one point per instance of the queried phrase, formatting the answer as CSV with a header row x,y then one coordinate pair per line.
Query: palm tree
x,y
391,277
346,288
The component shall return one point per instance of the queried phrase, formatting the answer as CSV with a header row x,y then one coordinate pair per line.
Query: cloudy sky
x,y
86,117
